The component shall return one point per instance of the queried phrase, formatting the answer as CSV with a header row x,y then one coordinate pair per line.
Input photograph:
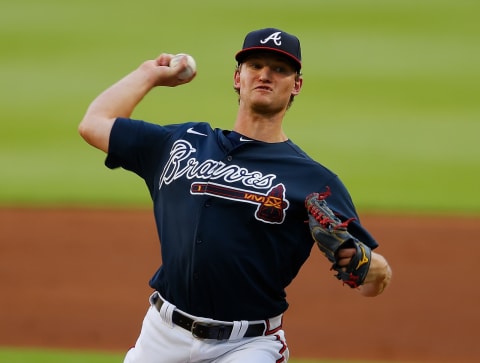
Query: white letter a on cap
x,y
276,37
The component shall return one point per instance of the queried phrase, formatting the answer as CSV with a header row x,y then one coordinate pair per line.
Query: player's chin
x,y
262,97
267,105
265,109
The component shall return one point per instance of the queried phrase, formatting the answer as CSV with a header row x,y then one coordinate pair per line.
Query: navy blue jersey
x,y
230,214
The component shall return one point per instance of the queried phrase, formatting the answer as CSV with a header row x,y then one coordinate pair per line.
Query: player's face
x,y
266,82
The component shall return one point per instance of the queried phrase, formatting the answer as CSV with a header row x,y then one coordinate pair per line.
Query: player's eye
x,y
255,65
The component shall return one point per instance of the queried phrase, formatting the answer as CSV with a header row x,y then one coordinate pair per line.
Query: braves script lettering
x,y
180,164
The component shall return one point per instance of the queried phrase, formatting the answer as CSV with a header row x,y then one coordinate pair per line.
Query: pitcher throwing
x,y
230,209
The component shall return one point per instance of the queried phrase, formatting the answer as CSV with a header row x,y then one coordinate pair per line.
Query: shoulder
x,y
301,154
304,160
136,127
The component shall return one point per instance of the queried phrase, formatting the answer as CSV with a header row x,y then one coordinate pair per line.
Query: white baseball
x,y
191,65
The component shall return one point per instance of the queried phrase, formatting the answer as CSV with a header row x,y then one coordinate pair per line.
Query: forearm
x,y
378,277
120,99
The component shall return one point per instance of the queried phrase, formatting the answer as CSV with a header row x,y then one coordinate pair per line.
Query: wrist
x,y
378,277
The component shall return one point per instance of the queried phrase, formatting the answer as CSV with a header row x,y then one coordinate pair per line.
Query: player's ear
x,y
236,78
298,85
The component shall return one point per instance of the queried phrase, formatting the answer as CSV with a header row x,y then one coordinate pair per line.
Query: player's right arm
x,y
121,98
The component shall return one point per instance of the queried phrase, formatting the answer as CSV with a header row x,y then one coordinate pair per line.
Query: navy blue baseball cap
x,y
272,40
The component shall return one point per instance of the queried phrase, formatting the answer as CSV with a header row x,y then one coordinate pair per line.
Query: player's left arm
x,y
378,276
354,261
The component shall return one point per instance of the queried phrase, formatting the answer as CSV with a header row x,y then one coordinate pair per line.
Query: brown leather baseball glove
x,y
331,235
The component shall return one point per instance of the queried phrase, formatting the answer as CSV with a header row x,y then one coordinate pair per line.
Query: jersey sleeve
x,y
342,205
129,140
137,146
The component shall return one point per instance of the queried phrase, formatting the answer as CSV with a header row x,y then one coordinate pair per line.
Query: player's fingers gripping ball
x,y
191,65
331,235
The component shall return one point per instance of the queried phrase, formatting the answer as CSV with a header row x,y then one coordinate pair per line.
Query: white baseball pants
x,y
161,341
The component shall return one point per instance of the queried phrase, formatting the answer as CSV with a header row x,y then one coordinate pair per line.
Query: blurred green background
x,y
390,99
62,356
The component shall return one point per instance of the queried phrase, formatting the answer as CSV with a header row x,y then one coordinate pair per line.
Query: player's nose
x,y
265,73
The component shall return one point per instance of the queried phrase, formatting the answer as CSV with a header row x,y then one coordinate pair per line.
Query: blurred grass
x,y
390,98
12,355
31,355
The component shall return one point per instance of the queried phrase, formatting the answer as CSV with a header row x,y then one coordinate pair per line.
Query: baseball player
x,y
231,208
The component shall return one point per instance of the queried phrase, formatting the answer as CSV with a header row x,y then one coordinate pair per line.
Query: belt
x,y
203,330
